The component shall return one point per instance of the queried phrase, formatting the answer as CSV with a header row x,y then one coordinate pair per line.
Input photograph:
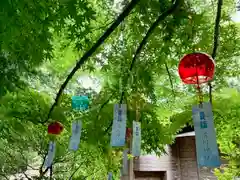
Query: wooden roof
x,y
186,134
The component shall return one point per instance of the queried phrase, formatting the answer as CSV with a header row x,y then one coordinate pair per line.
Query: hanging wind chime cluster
x,y
194,68
198,68
79,103
121,136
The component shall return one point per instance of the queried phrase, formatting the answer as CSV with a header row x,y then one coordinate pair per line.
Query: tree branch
x,y
170,77
41,167
92,173
84,58
103,105
215,40
216,29
75,171
51,172
3,175
26,176
143,43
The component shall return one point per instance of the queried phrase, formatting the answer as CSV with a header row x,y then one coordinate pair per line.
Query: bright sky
x,y
236,17
90,82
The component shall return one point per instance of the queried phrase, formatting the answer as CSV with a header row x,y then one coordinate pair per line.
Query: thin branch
x,y
216,29
51,172
108,128
92,173
103,105
79,167
102,27
149,32
4,176
26,176
144,41
41,167
215,40
84,58
170,78
75,171
32,167
43,173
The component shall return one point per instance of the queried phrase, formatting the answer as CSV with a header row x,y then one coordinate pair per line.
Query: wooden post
x,y
130,166
129,176
179,174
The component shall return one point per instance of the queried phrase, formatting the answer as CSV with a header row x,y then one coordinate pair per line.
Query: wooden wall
x,y
188,161
187,157
166,163
179,163
148,175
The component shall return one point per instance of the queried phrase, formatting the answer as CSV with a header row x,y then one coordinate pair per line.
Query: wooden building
x,y
178,164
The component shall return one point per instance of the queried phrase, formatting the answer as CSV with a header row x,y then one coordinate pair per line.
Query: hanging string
x,y
199,91
138,105
200,95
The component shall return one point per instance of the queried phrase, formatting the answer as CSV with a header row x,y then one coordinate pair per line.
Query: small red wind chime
x,y
128,134
196,68
54,129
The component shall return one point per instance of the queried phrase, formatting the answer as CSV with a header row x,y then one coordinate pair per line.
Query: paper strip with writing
x,y
136,141
76,135
119,125
51,154
205,135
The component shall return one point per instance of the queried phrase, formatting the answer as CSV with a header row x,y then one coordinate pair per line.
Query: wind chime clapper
x,y
54,129
197,68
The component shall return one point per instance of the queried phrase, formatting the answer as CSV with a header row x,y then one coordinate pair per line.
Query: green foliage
x,y
40,42
27,32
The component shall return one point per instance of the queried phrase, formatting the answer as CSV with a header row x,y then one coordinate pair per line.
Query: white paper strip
x,y
136,142
110,176
125,162
51,154
76,135
119,125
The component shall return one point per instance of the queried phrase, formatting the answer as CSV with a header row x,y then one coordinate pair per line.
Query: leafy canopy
x,y
40,43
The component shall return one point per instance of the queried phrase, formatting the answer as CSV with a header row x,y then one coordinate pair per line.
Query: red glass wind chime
x,y
55,128
196,68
